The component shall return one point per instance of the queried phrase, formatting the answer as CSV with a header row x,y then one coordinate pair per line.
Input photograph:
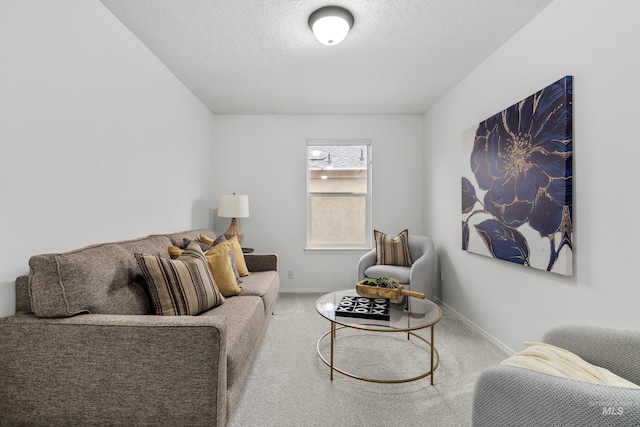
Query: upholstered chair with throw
x,y
408,258
577,376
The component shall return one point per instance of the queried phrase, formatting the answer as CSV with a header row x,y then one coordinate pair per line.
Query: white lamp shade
x,y
331,24
233,206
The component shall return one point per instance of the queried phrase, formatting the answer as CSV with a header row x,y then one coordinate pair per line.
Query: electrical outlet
x,y
290,274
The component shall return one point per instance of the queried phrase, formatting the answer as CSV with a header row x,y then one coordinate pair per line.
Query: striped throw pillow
x,y
219,260
179,287
392,250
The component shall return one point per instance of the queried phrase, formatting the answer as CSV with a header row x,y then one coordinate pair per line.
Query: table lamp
x,y
233,206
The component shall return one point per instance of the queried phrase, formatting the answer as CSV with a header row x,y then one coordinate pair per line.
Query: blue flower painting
x,y
517,182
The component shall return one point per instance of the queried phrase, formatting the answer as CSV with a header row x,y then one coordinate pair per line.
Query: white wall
x,y
265,157
597,43
98,140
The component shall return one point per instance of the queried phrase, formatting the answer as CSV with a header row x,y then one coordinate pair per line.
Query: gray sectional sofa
x,y
85,347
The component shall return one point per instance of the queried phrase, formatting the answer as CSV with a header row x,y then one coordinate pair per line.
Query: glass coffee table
x,y
407,318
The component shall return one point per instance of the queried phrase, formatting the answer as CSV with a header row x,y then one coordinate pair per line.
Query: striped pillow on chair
x,y
393,250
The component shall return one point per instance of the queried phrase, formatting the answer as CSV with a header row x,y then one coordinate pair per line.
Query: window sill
x,y
336,250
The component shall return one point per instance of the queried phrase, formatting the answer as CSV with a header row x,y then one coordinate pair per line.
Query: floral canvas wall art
x,y
517,182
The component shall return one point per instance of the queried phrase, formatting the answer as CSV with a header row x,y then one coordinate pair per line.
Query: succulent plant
x,y
387,282
393,283
382,282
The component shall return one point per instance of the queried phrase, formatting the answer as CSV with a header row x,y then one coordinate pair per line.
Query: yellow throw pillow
x,y
174,252
206,240
219,263
222,270
241,264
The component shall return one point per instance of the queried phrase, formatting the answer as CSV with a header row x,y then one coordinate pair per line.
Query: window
x,y
339,194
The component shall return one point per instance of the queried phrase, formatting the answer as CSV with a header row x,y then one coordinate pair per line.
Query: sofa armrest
x,y
261,262
366,261
101,369
614,349
512,396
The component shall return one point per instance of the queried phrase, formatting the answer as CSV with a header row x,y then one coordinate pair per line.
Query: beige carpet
x,y
290,385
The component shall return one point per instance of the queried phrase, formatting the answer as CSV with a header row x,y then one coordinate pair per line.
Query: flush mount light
x,y
330,24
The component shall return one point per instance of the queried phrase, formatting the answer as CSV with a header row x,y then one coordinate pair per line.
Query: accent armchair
x,y
515,396
420,277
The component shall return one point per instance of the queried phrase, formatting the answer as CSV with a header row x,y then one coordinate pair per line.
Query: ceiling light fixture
x,y
330,24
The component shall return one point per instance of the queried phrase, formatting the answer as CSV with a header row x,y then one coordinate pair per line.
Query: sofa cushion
x,y
98,279
183,286
392,250
245,320
264,284
557,361
395,271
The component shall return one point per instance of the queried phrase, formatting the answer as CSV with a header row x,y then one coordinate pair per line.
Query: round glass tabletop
x,y
418,314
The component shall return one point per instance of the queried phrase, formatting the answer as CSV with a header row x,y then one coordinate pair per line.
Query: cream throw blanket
x,y
554,360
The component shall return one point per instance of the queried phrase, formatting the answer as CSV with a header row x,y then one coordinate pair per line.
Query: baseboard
x,y
308,290
475,327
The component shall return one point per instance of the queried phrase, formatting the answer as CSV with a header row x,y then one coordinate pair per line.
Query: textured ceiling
x,y
260,57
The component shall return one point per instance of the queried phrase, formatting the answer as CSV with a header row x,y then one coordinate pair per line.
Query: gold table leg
x,y
333,337
433,352
432,346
